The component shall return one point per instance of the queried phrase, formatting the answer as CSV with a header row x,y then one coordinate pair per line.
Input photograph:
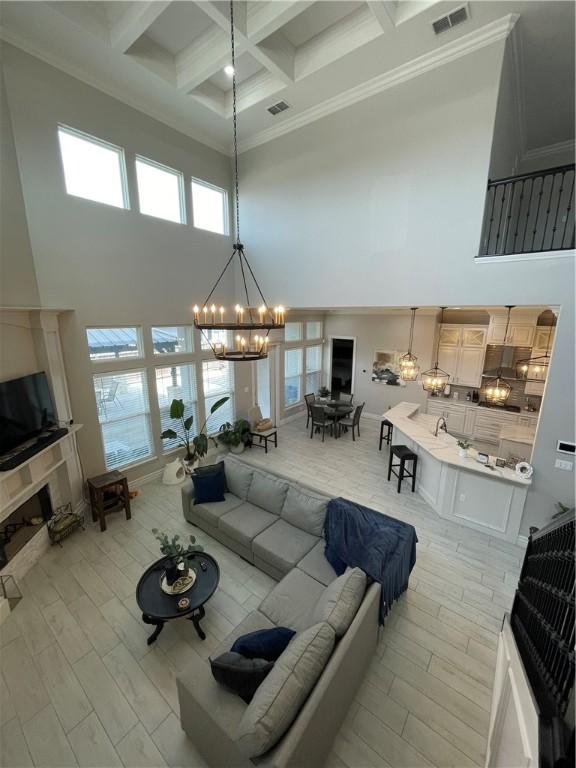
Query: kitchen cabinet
x,y
454,335
489,424
461,353
474,421
519,334
455,415
544,336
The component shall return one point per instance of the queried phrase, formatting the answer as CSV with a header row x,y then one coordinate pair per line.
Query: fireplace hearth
x,y
23,524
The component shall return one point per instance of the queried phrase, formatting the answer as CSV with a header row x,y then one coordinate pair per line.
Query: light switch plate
x,y
561,464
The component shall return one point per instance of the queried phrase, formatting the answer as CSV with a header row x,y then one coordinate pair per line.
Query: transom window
x,y
124,416
172,340
93,169
209,207
293,332
114,343
214,336
313,329
160,191
176,382
218,381
293,359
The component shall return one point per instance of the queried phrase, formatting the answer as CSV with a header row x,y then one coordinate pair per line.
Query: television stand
x,y
30,448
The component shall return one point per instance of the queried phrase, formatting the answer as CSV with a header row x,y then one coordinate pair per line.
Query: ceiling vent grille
x,y
280,106
455,17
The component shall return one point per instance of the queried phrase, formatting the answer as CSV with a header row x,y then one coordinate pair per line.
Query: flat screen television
x,y
26,409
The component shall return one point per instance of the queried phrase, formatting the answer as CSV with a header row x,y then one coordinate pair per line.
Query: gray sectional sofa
x,y
276,524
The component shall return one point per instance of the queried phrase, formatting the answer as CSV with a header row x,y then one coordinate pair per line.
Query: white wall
x,y
110,266
381,204
387,333
17,350
506,142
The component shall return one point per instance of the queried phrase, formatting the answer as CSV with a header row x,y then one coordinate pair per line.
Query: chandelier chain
x,y
235,122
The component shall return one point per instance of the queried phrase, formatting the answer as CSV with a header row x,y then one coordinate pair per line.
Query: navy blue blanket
x,y
383,547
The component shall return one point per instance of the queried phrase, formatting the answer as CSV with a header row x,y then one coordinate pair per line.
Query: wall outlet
x,y
561,464
462,497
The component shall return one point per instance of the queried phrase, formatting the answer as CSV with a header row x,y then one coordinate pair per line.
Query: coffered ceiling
x,y
167,58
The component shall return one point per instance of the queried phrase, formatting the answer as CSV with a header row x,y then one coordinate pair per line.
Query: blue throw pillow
x,y
240,675
208,487
212,469
266,644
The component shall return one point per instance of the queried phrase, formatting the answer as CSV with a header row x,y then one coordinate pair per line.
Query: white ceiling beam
x,y
134,22
385,13
265,18
208,54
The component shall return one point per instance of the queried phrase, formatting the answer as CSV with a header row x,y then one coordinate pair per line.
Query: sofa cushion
x,y
266,644
305,509
239,674
212,469
316,565
292,601
212,512
245,522
283,545
267,491
238,477
254,621
340,601
279,698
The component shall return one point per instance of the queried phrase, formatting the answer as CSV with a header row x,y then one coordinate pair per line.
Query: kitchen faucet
x,y
441,424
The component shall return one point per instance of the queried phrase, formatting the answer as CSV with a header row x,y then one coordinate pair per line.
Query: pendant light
x,y
435,379
409,368
497,391
250,325
536,368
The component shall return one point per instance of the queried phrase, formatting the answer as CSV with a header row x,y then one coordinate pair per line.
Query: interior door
x,y
342,365
265,385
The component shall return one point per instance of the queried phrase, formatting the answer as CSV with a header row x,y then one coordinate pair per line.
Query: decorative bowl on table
x,y
182,584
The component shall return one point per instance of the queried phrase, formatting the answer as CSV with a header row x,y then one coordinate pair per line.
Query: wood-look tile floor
x,y
80,686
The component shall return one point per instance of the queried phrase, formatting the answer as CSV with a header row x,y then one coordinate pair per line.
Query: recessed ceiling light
x,y
229,70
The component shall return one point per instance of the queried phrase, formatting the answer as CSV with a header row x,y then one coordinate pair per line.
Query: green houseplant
x,y
463,446
324,392
177,553
196,447
236,436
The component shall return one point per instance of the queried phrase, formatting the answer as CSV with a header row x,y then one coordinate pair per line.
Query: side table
x,y
101,505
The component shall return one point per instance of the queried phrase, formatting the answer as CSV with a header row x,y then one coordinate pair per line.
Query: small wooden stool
x,y
403,453
388,426
268,434
100,505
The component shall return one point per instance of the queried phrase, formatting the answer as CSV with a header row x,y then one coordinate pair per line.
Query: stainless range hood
x,y
501,359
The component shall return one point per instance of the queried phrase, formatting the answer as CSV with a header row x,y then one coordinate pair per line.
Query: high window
x,y
93,169
160,191
114,343
218,381
293,332
176,382
209,207
292,376
313,368
313,329
172,340
214,336
124,416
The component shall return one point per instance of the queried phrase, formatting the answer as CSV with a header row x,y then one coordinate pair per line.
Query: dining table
x,y
335,410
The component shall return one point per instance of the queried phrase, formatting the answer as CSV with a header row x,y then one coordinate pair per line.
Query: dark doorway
x,y
342,366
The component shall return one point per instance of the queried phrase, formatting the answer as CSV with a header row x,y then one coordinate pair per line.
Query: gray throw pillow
x,y
241,675
238,477
340,601
280,697
305,509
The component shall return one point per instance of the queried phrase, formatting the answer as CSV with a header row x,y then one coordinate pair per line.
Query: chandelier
x,y
535,368
497,390
435,379
249,324
409,368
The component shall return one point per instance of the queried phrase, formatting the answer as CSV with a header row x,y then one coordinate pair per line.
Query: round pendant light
x,y
435,379
409,368
496,391
536,368
250,324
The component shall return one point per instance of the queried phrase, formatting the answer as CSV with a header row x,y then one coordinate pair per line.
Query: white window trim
x,y
114,361
181,189
158,356
107,145
225,203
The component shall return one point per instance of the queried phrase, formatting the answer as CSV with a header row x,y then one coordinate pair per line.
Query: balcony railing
x,y
530,213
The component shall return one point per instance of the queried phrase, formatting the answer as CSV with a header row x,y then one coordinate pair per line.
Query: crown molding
x,y
486,35
119,94
550,149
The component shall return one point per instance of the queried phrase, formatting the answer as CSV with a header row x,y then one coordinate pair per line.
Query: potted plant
x,y
324,393
463,446
177,554
236,436
196,447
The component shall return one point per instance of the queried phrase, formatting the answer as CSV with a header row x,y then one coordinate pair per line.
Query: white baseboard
x,y
292,417
143,479
372,416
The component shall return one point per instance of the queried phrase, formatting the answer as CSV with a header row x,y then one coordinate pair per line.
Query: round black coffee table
x,y
158,607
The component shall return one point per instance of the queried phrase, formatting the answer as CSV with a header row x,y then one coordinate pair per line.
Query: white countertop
x,y
516,433
420,428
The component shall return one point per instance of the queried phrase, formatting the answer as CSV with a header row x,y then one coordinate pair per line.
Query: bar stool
x,y
403,453
385,424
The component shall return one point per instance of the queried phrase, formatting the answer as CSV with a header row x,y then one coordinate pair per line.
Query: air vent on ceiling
x,y
280,106
457,16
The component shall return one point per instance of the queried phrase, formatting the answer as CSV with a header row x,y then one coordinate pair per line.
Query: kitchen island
x,y
488,498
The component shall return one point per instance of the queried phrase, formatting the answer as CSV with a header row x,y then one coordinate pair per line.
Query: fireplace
x,y
23,524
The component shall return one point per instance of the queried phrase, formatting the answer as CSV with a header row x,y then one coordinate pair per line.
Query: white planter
x,y
463,453
189,466
237,448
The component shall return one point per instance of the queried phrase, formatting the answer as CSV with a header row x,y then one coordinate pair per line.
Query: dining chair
x,y
353,422
344,397
310,400
320,420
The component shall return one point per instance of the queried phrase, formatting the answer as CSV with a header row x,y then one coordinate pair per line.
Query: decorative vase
x,y
189,466
463,452
237,448
173,572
